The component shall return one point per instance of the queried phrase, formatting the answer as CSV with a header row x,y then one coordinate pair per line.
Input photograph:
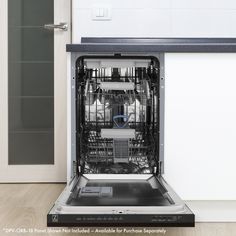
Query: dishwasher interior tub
x,y
117,115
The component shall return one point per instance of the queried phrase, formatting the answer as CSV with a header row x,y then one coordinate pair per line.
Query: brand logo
x,y
54,218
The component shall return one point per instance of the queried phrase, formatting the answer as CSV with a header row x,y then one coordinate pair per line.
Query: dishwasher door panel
x,y
143,200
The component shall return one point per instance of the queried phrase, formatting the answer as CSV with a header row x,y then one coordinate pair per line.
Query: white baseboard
x,y
213,211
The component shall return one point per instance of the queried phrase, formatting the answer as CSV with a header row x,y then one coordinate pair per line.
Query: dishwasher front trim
x,y
72,169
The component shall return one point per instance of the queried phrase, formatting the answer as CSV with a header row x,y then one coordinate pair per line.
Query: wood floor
x,y
25,206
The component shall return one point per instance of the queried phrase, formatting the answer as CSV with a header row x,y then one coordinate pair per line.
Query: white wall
x,y
200,156
157,18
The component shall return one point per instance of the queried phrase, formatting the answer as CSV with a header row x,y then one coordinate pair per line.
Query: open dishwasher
x,y
116,144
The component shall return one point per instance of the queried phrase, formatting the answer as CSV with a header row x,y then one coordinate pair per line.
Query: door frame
x,y
37,173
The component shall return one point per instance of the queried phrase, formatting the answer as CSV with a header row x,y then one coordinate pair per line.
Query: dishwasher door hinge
x,y
79,169
157,169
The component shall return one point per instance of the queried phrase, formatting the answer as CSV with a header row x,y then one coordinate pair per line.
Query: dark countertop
x,y
148,45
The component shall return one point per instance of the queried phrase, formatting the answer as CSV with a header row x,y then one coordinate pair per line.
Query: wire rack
x,y
101,149
133,109
100,106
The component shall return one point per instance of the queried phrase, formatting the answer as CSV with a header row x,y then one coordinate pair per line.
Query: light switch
x,y
101,13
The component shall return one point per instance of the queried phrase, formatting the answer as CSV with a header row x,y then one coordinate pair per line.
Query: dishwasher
x,y
116,142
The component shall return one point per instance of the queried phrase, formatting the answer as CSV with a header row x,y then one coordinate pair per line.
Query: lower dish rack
x,y
103,153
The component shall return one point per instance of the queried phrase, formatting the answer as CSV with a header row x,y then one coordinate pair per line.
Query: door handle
x,y
61,26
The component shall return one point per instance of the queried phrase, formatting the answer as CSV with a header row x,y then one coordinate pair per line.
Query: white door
x,y
33,90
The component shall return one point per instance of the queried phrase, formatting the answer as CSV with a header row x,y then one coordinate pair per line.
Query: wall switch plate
x,y
101,12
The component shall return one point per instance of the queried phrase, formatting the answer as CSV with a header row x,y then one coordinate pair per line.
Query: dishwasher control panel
x,y
121,220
